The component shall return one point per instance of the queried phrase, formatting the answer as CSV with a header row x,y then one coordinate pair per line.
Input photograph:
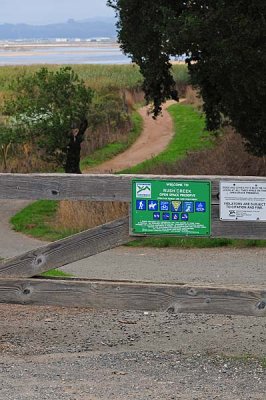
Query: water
x,y
28,55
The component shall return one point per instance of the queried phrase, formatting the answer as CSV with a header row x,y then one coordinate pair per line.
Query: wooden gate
x,y
19,276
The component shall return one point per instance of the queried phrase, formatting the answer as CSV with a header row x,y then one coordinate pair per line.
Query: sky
x,y
38,12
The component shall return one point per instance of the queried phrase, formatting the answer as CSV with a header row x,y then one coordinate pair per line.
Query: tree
x,y
7,137
49,110
108,111
225,46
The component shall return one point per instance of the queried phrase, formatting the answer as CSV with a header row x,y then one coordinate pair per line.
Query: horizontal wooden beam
x,y
90,187
66,251
118,188
174,298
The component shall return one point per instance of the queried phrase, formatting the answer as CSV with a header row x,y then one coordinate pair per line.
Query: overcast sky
x,y
49,11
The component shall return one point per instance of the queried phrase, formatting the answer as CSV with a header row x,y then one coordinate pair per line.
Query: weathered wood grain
x,y
173,298
90,187
64,186
65,251
236,229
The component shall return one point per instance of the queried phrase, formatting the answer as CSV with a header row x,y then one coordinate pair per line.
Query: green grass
x,y
111,150
36,220
190,135
99,156
56,273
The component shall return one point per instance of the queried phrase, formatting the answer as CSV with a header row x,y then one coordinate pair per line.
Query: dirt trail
x,y
13,243
81,354
154,138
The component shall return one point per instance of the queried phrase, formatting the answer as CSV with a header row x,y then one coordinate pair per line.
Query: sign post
x,y
171,207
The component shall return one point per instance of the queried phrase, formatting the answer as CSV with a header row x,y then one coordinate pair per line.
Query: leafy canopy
x,y
43,108
225,46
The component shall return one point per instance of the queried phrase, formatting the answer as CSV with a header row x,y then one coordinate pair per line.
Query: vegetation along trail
x,y
154,138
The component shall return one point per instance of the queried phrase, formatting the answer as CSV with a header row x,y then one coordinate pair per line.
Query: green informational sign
x,y
162,207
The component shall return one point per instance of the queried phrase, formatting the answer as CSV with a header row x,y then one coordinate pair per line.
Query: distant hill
x,y
89,28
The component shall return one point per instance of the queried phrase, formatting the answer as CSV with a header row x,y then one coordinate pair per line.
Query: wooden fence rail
x,y
118,188
95,187
122,295
68,250
16,287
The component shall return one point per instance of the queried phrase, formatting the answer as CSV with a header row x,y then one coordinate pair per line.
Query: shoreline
x,y
12,45
26,53
53,52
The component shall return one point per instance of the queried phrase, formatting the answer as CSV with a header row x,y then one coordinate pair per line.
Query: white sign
x,y
243,201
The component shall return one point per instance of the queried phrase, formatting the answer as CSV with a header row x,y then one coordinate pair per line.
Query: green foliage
x,y
108,110
225,45
6,139
6,134
44,105
99,156
145,44
189,135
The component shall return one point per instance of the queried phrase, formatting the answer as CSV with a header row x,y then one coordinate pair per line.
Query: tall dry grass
x,y
228,157
24,160
193,97
100,137
81,215
98,77
20,159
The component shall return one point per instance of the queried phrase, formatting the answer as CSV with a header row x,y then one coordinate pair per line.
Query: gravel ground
x,y
67,353
145,375
219,265
73,354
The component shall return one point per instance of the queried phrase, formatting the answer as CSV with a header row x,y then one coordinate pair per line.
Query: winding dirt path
x,y
154,138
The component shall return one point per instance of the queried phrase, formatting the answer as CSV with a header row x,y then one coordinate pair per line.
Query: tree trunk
x,y
5,148
73,149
